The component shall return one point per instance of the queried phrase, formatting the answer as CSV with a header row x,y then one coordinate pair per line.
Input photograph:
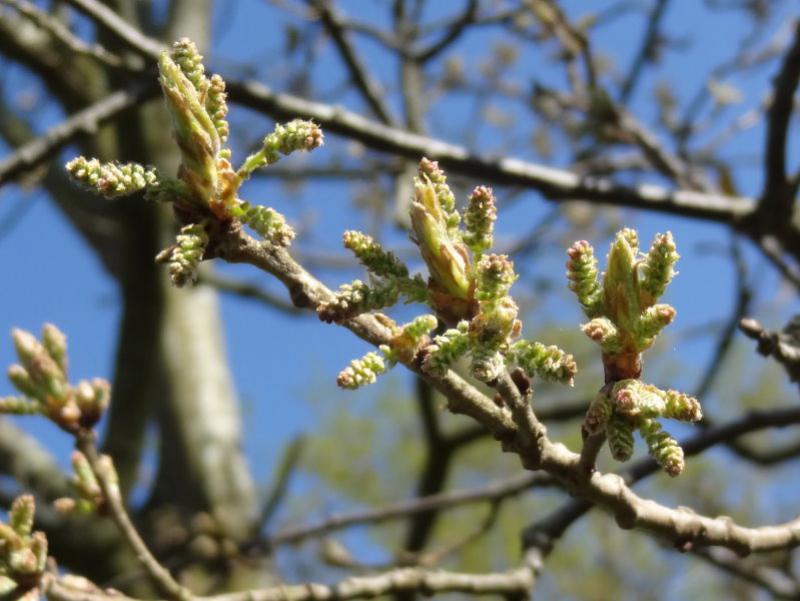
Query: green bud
x,y
21,380
85,482
479,220
39,549
55,342
663,448
430,171
111,180
681,406
495,325
22,561
20,516
287,138
604,333
409,339
46,378
546,362
487,364
445,256
420,327
654,319
185,54
17,406
446,348
357,298
217,106
620,438
185,257
620,285
582,275
495,276
195,132
361,371
632,238
267,222
632,398
657,269
92,399
372,255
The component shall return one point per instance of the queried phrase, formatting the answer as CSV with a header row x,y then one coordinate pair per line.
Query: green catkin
x,y
657,269
357,298
267,222
479,220
620,438
111,180
663,448
447,348
583,277
546,362
362,371
373,256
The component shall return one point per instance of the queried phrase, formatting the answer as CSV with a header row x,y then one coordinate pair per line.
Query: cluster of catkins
x,y
23,553
205,193
41,379
625,318
467,289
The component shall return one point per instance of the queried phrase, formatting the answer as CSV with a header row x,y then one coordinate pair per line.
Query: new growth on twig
x,y
625,319
467,289
205,194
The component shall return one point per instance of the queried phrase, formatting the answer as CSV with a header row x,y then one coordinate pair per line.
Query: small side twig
x,y
85,443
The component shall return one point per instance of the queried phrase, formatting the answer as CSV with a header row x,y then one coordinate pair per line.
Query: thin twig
x,y
554,184
116,508
112,22
778,194
60,32
364,82
87,122
248,290
493,491
515,582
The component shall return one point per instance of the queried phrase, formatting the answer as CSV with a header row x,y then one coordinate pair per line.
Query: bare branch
x,y
247,290
555,184
367,86
85,122
778,194
646,50
783,346
454,31
518,581
111,21
545,532
280,481
111,495
494,491
57,29
776,582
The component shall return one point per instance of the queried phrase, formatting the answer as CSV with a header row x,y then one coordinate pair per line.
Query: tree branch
x,y
555,184
494,491
366,85
85,122
518,581
778,193
522,433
